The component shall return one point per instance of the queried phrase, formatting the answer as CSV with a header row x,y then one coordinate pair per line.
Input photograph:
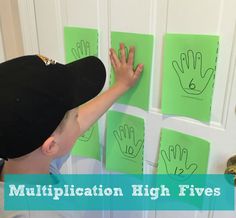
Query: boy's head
x,y
36,93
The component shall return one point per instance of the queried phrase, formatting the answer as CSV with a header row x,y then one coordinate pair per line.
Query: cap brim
x,y
89,76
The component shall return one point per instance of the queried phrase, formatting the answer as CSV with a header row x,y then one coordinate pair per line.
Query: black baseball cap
x,y
35,94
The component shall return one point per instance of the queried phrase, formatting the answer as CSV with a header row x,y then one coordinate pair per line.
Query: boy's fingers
x,y
114,57
138,71
113,63
131,56
122,52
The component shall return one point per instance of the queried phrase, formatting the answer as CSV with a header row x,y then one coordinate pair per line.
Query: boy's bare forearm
x,y
91,111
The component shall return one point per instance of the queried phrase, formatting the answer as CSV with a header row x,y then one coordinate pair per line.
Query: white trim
x,y
158,26
103,26
64,11
104,17
230,78
153,30
28,26
61,20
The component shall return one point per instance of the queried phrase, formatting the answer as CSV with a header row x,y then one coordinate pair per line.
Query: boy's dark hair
x,y
35,94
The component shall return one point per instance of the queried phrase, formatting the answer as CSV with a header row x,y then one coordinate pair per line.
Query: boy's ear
x,y
50,147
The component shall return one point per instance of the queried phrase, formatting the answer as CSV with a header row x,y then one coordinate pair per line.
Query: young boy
x,y
40,119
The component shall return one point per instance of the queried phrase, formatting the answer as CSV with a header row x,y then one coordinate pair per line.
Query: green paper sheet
x,y
138,96
124,143
80,43
88,144
189,74
182,154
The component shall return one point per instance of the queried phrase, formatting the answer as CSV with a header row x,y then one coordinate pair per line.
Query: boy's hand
x,y
125,75
125,78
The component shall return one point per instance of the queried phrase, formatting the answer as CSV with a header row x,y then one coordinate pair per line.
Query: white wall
x,y
10,27
2,55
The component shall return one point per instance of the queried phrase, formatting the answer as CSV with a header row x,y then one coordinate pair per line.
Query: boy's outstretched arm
x,y
125,78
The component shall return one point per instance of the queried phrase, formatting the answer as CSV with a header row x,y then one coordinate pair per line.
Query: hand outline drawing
x,y
176,162
189,70
82,49
125,137
87,135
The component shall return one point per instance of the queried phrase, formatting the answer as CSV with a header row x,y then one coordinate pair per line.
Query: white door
x,y
42,23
